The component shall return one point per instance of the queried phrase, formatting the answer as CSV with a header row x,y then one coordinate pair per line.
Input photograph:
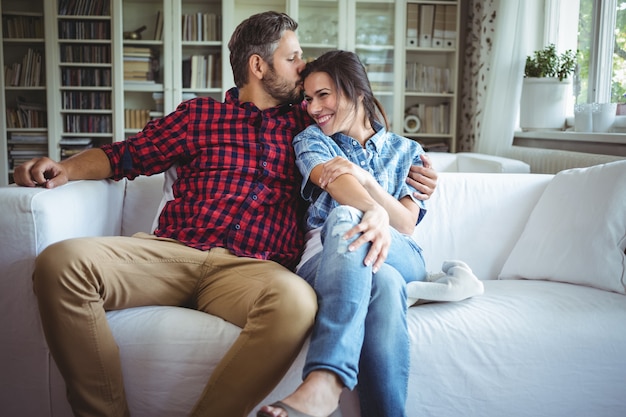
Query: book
x,y
158,27
186,64
137,51
72,146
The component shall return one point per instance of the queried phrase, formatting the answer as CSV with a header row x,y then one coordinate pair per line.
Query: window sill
x,y
567,135
599,143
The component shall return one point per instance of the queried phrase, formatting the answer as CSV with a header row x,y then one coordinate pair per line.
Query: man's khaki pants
x,y
77,280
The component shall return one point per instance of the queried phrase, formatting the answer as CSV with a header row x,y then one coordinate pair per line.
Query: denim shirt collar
x,y
375,143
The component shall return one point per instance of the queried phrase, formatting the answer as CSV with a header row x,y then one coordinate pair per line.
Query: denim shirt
x,y
386,156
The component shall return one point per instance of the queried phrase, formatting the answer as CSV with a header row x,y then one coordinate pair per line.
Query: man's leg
x,y
275,309
77,280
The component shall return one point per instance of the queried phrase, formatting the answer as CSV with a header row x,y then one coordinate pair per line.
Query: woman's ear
x,y
256,66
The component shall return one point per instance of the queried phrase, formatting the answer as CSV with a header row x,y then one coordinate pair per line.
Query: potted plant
x,y
545,88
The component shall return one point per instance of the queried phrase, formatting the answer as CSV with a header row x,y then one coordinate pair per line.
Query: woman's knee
x,y
347,216
388,284
340,220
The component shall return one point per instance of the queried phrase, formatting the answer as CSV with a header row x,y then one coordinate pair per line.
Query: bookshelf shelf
x,y
23,119
82,47
431,63
23,40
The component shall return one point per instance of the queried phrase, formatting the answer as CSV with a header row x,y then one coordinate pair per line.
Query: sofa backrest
x,y
477,218
473,217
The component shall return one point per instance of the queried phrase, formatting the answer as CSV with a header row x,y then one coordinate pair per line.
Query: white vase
x,y
544,103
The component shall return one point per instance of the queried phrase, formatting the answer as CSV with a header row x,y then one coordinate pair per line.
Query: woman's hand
x,y
339,166
374,228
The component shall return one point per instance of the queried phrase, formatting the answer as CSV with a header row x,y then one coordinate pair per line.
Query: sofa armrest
x,y
37,217
443,161
478,162
30,220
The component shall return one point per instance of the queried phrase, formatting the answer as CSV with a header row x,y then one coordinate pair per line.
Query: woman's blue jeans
x,y
360,330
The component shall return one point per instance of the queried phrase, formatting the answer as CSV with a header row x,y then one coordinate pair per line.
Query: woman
x,y
360,253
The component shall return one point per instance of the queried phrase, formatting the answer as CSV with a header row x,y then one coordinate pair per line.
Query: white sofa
x,y
533,347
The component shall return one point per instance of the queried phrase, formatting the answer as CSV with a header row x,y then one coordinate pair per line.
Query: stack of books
x,y
427,78
27,73
202,71
72,146
138,64
136,118
24,146
24,25
26,115
201,27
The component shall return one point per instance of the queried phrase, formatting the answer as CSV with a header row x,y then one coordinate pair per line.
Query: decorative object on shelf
x,y
594,117
545,89
603,115
134,35
412,123
583,121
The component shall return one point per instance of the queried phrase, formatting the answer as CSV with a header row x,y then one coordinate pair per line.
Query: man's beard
x,y
281,90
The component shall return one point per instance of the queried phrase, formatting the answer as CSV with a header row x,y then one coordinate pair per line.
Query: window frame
x,y
603,35
559,30
556,17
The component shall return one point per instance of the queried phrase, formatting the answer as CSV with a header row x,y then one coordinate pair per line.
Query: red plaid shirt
x,y
238,185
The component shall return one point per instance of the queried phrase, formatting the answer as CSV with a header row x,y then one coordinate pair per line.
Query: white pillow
x,y
577,231
170,177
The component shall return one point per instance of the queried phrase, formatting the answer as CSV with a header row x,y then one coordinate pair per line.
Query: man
x,y
226,243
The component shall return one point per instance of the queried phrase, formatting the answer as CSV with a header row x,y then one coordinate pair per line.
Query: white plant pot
x,y
544,103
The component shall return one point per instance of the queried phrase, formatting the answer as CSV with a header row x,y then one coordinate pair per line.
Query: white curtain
x,y
498,118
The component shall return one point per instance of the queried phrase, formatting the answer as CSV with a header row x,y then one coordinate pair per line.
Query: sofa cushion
x,y
141,204
577,231
477,218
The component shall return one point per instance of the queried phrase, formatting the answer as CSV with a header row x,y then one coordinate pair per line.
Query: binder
x,y
412,24
427,17
439,26
450,27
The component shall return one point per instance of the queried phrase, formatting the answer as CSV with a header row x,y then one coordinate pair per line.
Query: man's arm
x,y
423,179
92,164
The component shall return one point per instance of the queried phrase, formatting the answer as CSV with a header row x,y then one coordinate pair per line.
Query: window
x,y
602,70
597,29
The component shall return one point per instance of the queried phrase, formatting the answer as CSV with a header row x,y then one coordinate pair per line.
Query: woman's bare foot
x,y
317,396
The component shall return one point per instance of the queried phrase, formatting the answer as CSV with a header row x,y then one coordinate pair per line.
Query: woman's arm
x,y
359,189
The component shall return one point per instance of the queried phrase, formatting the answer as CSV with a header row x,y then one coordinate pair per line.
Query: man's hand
x,y
42,172
91,164
423,179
